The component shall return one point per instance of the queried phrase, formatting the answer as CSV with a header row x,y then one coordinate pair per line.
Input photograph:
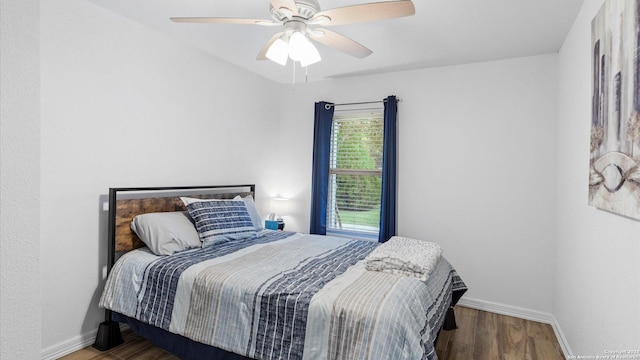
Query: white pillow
x,y
253,212
166,232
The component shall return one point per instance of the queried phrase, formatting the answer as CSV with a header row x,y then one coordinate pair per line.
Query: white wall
x,y
19,180
476,167
597,291
123,105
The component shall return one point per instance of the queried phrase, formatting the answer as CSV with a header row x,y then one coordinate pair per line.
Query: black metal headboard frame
x,y
109,331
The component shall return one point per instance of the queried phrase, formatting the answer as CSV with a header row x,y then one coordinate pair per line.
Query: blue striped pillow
x,y
219,221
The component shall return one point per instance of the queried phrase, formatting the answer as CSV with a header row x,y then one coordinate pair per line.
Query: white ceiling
x,y
442,32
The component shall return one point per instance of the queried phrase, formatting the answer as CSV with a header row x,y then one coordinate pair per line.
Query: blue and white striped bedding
x,y
285,295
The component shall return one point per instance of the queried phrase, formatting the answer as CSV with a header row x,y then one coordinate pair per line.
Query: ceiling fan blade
x,y
365,12
286,4
262,55
223,20
340,42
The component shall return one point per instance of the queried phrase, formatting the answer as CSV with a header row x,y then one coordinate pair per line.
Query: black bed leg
x,y
109,335
450,320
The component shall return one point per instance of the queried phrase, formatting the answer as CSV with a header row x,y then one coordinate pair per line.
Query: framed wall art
x,y
614,176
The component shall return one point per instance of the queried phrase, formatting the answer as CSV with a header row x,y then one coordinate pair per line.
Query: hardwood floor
x,y
480,335
484,335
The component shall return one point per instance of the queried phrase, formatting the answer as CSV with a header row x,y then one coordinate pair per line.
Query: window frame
x,y
343,116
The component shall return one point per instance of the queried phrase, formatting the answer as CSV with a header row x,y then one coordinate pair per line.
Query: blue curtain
x,y
389,170
320,175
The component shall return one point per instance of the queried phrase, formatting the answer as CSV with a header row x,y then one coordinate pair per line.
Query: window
x,y
348,160
355,173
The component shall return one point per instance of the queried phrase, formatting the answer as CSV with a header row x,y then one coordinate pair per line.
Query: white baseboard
x,y
74,344
521,313
562,340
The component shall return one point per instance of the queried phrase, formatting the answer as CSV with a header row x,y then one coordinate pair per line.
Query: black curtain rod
x,y
328,106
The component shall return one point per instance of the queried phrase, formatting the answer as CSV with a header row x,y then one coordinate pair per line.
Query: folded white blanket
x,y
405,256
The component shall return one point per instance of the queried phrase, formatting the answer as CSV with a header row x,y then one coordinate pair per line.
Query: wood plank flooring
x,y
484,335
480,335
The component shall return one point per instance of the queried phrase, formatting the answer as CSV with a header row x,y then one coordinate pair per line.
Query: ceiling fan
x,y
301,18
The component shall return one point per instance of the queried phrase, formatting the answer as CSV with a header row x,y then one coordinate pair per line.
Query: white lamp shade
x,y
279,206
278,52
302,50
297,46
312,56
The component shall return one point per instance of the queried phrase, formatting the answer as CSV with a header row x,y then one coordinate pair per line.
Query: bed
x,y
273,295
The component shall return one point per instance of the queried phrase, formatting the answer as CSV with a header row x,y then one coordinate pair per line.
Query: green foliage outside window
x,y
359,146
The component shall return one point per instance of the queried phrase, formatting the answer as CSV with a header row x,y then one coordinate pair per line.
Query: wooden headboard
x,y
126,203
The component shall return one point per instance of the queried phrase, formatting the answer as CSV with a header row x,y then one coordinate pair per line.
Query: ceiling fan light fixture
x,y
297,45
278,52
302,50
311,57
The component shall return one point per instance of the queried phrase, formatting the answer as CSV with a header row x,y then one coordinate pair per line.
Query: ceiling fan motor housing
x,y
306,10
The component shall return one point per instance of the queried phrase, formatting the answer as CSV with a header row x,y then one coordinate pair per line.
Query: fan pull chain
x,y
293,81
